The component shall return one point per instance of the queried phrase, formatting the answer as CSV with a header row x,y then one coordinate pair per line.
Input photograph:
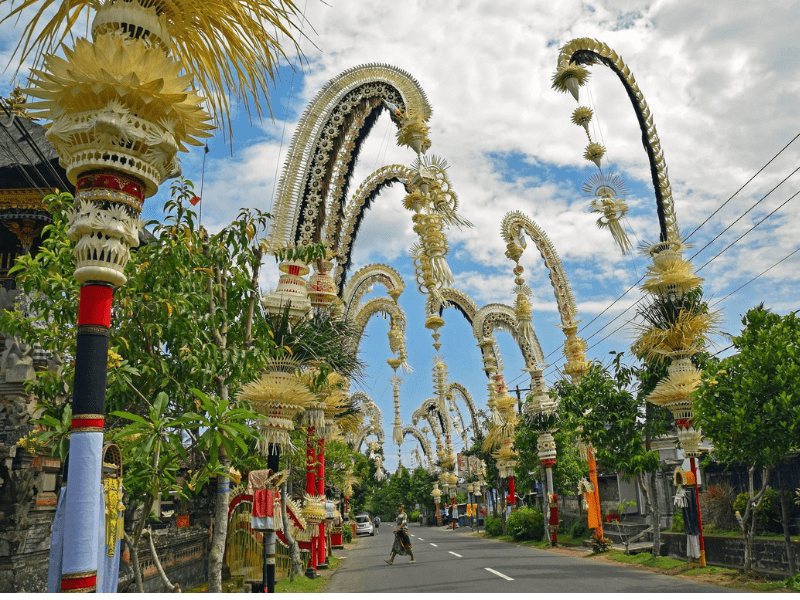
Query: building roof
x,y
27,159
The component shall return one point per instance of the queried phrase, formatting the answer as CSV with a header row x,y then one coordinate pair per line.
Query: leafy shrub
x,y
677,523
768,515
493,525
578,530
718,506
600,544
525,524
414,516
347,533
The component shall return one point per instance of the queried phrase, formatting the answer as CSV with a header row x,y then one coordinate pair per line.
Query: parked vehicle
x,y
364,525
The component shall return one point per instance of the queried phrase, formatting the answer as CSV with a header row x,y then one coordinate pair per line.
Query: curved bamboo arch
x,y
423,442
397,320
426,409
366,276
514,224
455,389
493,317
462,430
328,139
461,301
340,235
586,51
375,425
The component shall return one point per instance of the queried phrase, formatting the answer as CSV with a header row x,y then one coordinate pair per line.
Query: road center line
x,y
432,544
506,577
420,539
454,554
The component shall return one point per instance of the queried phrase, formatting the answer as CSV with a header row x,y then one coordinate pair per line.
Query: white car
x,y
364,525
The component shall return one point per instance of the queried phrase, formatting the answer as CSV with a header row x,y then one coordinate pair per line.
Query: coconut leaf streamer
x,y
226,45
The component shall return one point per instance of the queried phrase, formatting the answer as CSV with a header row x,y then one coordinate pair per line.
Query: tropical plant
x,y
718,506
747,404
493,526
608,407
154,447
525,523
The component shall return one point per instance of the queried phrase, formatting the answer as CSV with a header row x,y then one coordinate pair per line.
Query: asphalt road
x,y
452,562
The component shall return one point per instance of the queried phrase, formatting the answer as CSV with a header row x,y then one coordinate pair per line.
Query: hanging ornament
x,y
594,152
609,193
583,116
570,79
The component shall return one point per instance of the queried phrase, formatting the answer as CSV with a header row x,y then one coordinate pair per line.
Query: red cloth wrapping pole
x,y
322,557
311,488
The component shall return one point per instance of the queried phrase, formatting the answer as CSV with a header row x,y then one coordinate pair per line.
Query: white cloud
x,y
719,80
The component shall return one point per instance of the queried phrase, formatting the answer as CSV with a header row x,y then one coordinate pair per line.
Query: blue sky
x,y
722,83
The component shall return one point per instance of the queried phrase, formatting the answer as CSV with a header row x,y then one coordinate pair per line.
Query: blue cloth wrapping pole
x,y
83,504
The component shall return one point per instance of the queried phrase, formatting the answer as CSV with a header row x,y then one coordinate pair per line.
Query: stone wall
x,y
769,556
183,554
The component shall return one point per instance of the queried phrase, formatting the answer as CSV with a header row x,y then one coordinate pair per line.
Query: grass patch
x,y
646,559
737,579
300,585
304,585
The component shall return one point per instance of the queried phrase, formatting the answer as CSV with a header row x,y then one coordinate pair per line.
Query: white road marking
x,y
454,554
432,544
506,577
420,539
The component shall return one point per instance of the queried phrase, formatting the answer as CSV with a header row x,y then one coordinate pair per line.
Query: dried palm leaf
x,y
227,45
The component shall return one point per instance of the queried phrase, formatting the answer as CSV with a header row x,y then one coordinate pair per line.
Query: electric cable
x,y
764,197
795,251
743,186
749,230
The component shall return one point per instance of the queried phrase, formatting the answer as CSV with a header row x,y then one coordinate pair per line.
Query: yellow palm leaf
x,y
226,45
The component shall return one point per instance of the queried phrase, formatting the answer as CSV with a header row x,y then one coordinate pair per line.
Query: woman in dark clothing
x,y
402,543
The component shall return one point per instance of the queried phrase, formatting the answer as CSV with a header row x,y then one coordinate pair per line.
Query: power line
x,y
751,229
795,251
743,186
745,212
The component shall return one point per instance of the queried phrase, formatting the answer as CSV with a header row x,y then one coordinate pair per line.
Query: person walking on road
x,y
402,543
377,522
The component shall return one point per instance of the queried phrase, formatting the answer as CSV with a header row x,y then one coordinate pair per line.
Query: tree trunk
x,y
170,586
503,505
133,541
750,519
656,516
137,570
785,499
217,551
545,502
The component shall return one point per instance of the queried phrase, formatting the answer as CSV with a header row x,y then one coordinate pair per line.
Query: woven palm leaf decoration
x,y
230,47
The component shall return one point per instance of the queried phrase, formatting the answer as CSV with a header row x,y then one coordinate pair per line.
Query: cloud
x,y
719,80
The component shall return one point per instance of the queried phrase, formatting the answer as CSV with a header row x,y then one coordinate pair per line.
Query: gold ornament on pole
x,y
278,396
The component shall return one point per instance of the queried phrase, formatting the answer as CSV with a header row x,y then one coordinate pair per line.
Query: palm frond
x,y
227,45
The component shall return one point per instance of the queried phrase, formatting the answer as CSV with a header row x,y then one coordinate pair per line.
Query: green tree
x,y
748,404
154,448
609,409
188,317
